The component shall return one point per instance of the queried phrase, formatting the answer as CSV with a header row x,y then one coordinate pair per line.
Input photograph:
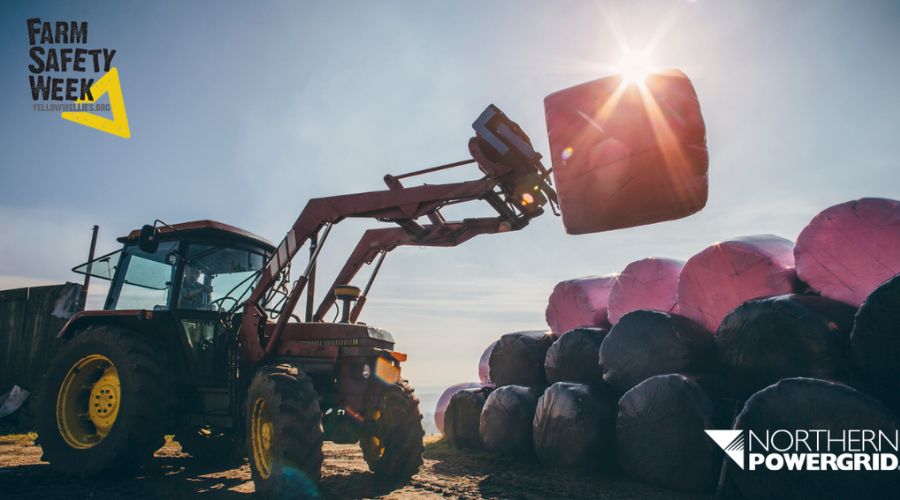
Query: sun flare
x,y
634,67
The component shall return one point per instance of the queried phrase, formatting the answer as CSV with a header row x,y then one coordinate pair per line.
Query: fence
x,y
30,318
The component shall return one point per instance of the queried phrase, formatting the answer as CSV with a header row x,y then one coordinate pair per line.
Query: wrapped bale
x,y
440,408
647,343
625,155
464,416
484,366
645,284
765,340
579,302
876,341
804,405
574,427
847,250
725,275
573,357
660,436
518,359
507,418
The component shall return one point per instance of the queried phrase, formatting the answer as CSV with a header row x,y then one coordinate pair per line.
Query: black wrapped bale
x,y
507,418
804,404
574,426
876,341
646,343
518,359
660,436
765,340
573,357
463,416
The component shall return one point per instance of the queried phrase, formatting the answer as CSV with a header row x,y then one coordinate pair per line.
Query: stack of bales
x,y
754,334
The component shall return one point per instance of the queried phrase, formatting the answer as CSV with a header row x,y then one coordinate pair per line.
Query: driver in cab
x,y
194,294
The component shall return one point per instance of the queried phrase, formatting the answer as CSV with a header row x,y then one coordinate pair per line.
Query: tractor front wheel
x,y
104,403
392,435
284,433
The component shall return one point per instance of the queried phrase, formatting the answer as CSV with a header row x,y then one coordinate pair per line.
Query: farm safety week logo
x,y
811,449
67,75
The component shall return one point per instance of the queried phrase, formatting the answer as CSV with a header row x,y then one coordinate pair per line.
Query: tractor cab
x,y
179,284
201,266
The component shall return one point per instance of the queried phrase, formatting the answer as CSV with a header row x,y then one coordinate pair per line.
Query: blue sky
x,y
242,111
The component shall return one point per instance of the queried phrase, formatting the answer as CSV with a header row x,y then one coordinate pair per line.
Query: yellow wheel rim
x,y
261,433
88,401
375,441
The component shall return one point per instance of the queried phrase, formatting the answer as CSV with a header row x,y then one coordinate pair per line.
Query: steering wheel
x,y
218,302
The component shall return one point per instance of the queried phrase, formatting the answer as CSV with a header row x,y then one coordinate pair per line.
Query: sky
x,y
240,112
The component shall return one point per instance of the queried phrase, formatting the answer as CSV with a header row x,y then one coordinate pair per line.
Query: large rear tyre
x,y
104,403
284,433
392,435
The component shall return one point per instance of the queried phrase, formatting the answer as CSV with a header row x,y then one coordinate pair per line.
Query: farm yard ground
x,y
447,473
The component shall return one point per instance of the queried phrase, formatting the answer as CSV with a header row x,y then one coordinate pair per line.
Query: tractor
x,y
200,335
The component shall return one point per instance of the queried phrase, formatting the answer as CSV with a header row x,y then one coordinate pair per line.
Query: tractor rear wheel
x,y
392,435
284,433
104,403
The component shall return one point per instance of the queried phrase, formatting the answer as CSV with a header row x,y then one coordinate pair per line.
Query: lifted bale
x,y
803,404
625,155
647,343
876,342
765,340
440,409
727,274
463,417
579,302
847,250
518,359
645,284
507,419
574,427
484,366
660,436
573,357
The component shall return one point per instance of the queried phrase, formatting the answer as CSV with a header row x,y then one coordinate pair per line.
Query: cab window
x,y
218,278
148,278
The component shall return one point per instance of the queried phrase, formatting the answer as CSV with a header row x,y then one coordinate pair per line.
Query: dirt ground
x,y
447,473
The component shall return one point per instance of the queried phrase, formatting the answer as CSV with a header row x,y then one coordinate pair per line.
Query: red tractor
x,y
199,336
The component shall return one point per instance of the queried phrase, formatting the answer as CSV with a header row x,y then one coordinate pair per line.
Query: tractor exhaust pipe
x,y
82,301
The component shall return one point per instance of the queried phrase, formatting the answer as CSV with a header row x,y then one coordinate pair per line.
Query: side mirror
x,y
148,241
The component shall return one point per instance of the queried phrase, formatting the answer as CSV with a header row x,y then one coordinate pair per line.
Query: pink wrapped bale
x,y
727,274
645,284
579,302
444,400
484,366
625,154
847,250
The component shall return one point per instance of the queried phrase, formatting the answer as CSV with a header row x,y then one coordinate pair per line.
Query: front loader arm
x,y
515,185
402,205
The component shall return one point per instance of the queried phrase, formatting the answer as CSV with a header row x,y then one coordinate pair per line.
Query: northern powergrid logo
x,y
811,449
731,442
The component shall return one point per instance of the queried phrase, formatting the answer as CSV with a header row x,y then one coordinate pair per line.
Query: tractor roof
x,y
205,228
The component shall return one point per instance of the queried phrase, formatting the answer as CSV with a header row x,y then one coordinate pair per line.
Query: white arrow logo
x,y
731,442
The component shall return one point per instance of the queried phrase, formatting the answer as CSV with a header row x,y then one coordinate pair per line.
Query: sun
x,y
634,67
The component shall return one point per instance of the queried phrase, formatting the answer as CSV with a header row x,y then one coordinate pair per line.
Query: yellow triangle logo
x,y
107,84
